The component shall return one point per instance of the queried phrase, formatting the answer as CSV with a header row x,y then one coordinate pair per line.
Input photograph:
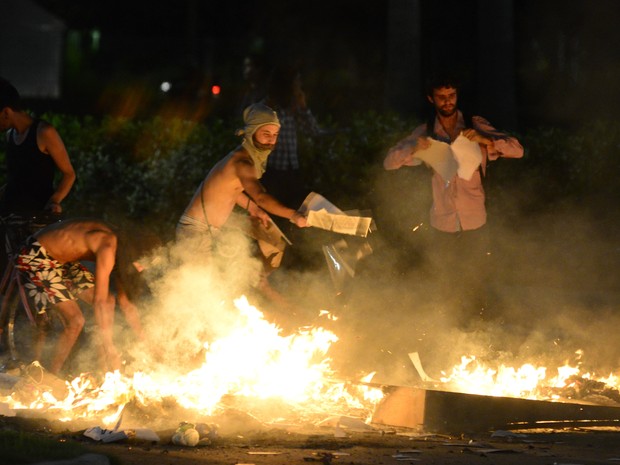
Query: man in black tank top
x,y
34,152
30,173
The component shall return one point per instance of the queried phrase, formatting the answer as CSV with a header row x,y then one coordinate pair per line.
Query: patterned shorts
x,y
47,281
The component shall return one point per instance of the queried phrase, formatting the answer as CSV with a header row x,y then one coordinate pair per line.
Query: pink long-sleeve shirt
x,y
458,204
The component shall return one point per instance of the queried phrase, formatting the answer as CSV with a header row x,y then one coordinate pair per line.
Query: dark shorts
x,y
46,280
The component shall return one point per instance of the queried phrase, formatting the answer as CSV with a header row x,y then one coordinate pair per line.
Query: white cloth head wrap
x,y
254,117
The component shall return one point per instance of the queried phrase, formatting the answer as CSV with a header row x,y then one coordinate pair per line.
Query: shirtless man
x,y
234,180
54,276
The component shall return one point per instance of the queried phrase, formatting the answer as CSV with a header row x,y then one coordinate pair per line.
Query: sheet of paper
x,y
278,231
462,157
323,214
105,435
316,202
364,213
467,155
270,234
342,224
439,156
417,363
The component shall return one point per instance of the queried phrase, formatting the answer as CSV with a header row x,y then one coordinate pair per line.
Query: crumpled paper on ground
x,y
106,435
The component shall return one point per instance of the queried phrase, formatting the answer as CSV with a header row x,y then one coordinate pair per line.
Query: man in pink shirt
x,y
458,212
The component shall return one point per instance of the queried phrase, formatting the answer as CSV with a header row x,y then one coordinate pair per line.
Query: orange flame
x,y
528,381
253,361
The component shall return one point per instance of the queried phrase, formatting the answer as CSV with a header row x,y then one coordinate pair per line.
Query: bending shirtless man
x,y
234,180
54,276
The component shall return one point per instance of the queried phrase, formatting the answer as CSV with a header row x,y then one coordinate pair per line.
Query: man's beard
x,y
443,112
260,146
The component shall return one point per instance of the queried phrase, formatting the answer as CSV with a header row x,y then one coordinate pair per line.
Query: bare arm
x,y
49,142
103,244
246,173
244,201
130,312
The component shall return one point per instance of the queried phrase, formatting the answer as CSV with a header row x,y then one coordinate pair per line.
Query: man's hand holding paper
x,y
321,213
462,157
255,211
468,156
439,156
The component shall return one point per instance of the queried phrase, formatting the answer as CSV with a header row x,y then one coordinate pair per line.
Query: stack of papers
x,y
322,214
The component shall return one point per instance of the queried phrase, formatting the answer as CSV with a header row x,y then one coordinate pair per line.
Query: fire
x,y
528,381
476,378
254,361
255,364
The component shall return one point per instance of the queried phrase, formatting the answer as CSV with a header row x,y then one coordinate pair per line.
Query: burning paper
x,y
324,215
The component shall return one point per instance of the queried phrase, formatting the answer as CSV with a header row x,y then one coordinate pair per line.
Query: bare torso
x,y
74,239
219,191
233,180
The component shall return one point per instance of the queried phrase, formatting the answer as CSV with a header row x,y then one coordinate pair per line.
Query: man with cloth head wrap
x,y
234,180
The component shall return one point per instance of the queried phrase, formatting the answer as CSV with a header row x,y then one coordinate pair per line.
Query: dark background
x,y
525,62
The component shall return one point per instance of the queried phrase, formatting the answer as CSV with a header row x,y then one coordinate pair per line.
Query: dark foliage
x,y
147,170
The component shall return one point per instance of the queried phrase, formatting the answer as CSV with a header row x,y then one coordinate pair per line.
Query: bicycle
x,y
23,333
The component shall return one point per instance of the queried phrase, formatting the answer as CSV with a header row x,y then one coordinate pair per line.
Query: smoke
x,y
549,293
191,302
547,290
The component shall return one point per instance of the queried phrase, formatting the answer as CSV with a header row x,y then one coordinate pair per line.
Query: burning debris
x,y
453,412
476,397
531,382
254,369
255,376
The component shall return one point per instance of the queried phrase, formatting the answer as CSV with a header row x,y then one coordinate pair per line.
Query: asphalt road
x,y
280,447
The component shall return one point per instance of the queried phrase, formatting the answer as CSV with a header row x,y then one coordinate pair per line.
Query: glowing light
x,y
215,90
254,362
528,381
95,37
165,86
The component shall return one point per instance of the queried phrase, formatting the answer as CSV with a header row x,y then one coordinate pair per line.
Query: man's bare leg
x,y
73,322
